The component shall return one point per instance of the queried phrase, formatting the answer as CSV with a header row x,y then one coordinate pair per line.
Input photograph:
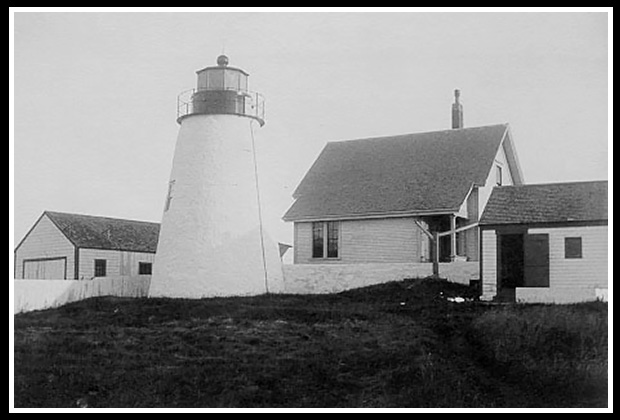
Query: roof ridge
x,y
118,219
419,132
542,184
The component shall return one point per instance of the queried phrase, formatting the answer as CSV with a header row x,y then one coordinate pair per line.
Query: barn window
x,y
100,268
145,268
325,237
572,247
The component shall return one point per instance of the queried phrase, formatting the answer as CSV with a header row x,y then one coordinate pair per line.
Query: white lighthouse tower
x,y
212,241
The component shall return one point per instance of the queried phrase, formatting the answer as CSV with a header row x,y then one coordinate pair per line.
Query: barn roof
x,y
413,173
547,203
107,233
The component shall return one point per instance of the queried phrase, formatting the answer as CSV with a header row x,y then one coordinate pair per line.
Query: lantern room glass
x,y
222,79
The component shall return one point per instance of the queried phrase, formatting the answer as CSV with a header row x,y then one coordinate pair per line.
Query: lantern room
x,y
222,77
221,90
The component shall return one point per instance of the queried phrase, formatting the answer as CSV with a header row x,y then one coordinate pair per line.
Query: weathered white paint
x,y
118,263
333,278
489,264
45,240
210,242
31,295
391,240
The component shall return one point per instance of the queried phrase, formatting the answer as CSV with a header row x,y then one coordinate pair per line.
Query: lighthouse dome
x,y
222,61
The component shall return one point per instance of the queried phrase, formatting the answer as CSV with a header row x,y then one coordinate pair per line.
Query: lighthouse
x,y
212,240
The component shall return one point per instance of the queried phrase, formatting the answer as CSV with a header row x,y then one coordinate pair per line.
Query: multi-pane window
x,y
100,268
332,239
317,239
325,237
572,247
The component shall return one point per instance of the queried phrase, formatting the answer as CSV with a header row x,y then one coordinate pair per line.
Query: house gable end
x,y
507,149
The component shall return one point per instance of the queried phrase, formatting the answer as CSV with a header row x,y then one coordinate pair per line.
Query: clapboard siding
x,y
391,240
302,242
118,263
588,271
45,240
489,264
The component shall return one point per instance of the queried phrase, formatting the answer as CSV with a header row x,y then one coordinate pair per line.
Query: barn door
x,y
536,260
45,269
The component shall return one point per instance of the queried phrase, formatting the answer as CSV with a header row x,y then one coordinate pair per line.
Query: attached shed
x,y
63,246
545,243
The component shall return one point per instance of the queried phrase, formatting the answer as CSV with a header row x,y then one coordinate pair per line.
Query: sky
x,y
94,104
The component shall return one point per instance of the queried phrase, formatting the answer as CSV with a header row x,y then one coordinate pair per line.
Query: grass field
x,y
400,344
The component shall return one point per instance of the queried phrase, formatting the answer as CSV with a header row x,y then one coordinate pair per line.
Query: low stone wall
x,y
334,278
559,294
31,295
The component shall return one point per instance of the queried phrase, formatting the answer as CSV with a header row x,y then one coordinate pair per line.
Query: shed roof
x,y
413,173
107,233
547,203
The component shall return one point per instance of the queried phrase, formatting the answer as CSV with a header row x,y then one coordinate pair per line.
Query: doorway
x,y
510,264
522,261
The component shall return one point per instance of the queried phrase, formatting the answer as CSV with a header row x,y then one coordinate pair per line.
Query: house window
x,y
498,175
100,268
145,268
317,240
572,248
325,237
332,239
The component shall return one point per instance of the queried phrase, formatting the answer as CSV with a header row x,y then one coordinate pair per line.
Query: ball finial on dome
x,y
222,60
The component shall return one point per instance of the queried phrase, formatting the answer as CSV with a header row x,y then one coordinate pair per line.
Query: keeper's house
x,y
62,246
369,200
545,243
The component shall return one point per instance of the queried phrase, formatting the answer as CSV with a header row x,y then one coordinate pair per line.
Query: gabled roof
x,y
106,233
413,173
547,203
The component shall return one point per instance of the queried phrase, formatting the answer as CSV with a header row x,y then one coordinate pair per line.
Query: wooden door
x,y
536,260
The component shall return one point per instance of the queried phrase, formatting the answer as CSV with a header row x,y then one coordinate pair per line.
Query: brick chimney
x,y
457,111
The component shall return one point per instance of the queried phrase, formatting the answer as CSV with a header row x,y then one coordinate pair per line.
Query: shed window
x,y
100,268
145,268
572,247
325,237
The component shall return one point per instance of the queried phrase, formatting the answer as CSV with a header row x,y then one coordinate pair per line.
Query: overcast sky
x,y
95,95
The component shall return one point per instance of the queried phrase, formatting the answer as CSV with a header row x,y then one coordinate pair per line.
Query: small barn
x,y
545,243
63,246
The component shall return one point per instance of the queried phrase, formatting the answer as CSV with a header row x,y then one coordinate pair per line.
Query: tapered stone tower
x,y
212,241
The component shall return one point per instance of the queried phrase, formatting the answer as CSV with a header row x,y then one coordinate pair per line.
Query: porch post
x,y
436,255
452,237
